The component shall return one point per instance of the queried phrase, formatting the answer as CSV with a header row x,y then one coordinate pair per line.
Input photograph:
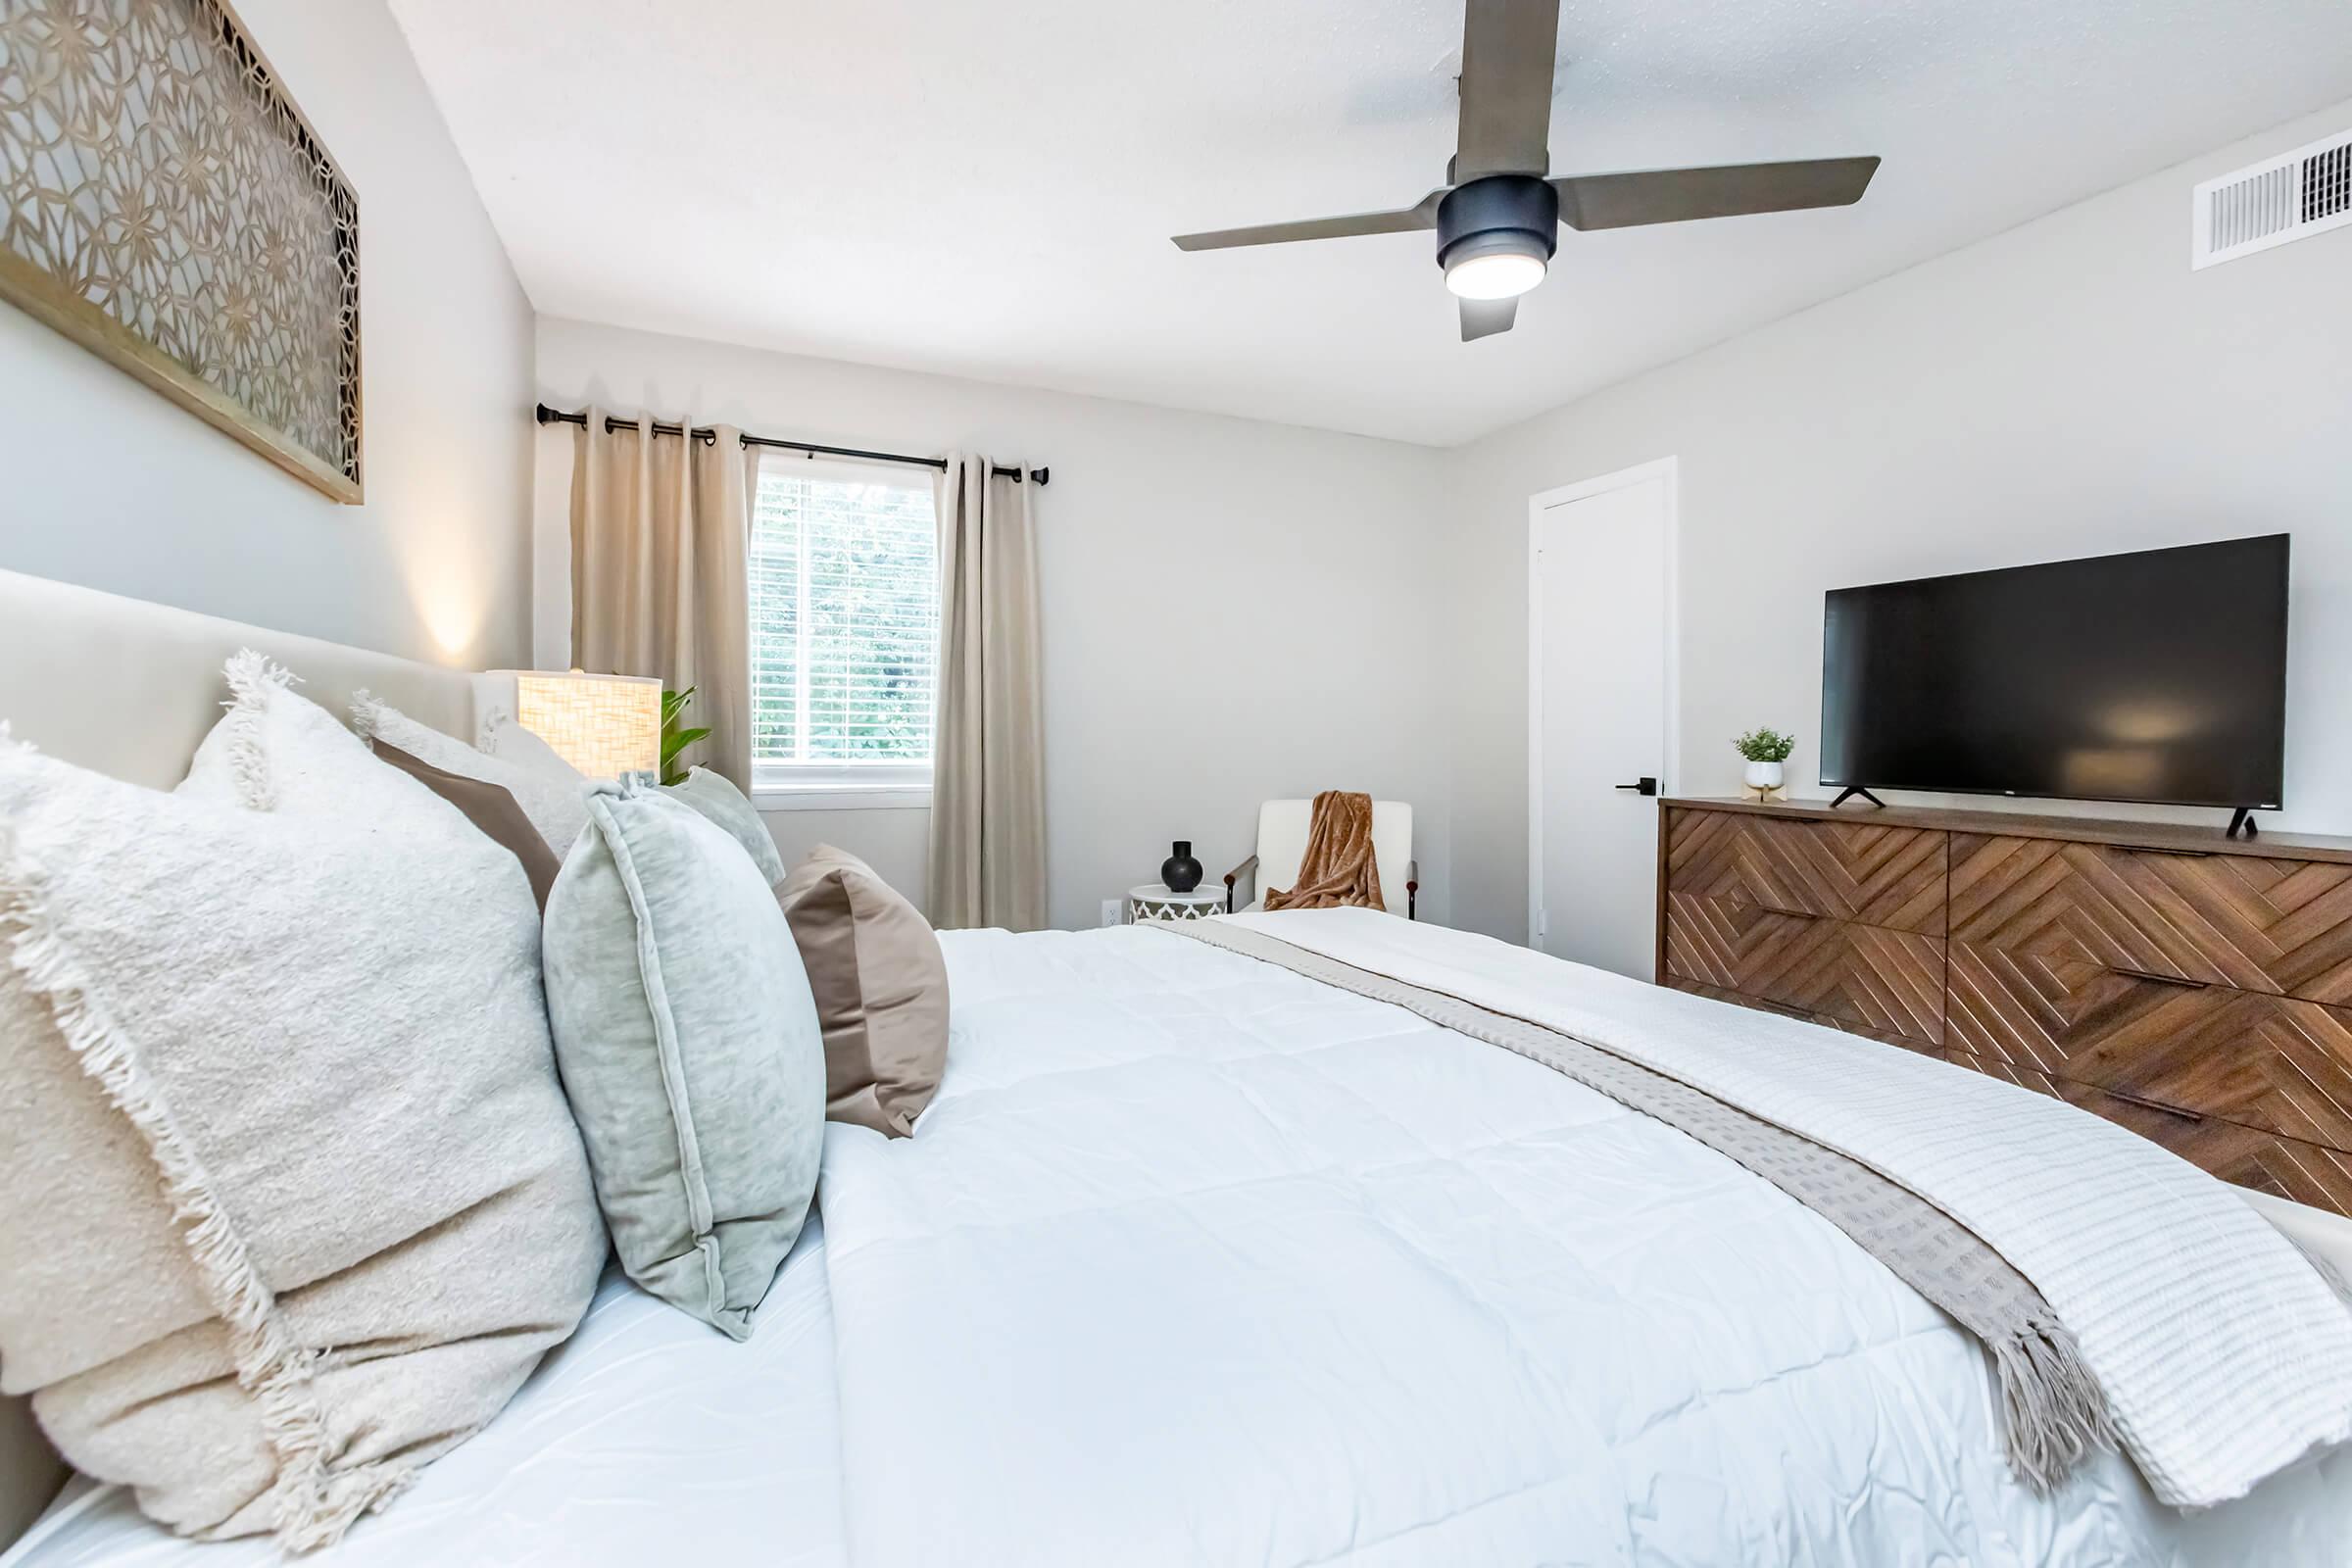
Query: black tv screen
x,y
2159,675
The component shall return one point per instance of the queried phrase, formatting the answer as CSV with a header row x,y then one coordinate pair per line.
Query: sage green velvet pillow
x,y
723,803
689,1049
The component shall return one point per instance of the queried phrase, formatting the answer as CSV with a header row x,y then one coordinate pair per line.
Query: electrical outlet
x,y
1111,912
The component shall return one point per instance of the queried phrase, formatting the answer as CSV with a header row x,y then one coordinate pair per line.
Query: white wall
x,y
2067,388
1232,611
112,485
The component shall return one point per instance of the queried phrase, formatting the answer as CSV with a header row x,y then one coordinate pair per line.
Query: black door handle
x,y
1642,786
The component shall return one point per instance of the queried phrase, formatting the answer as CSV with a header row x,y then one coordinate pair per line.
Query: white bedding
x,y
1196,1260
2141,1255
647,1439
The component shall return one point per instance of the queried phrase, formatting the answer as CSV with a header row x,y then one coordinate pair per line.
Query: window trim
x,y
841,786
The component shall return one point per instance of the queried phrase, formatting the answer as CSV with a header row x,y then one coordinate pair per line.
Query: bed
x,y
1198,1259
588,1467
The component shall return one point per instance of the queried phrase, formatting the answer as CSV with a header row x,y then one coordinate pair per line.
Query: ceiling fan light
x,y
1495,274
1495,235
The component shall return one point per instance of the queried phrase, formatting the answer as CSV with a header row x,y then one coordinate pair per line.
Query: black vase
x,y
1179,872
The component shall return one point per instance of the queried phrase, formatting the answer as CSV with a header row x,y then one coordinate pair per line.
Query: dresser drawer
x,y
2285,1167
2265,1061
1892,877
1889,1036
1862,976
2259,924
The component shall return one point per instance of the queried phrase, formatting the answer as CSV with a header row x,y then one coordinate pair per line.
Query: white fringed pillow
x,y
293,1201
276,750
551,791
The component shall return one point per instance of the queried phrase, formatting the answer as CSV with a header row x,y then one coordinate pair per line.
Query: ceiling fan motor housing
x,y
1516,214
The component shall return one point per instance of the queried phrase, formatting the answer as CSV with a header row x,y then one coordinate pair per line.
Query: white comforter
x,y
646,1439
2224,1354
1194,1261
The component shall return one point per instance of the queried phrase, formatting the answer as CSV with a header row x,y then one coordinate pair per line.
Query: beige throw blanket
x,y
1338,868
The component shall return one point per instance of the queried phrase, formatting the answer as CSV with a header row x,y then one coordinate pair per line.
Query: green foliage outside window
x,y
845,621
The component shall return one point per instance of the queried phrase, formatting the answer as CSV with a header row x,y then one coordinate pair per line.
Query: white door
x,y
1600,712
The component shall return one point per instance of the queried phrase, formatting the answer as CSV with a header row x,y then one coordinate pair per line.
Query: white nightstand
x,y
1152,901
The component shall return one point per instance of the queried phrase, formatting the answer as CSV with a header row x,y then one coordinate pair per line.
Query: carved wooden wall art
x,y
165,204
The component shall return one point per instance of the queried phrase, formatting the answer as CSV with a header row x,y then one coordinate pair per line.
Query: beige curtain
x,y
661,527
988,794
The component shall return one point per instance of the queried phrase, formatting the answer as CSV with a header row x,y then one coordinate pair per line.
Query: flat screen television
x,y
2159,675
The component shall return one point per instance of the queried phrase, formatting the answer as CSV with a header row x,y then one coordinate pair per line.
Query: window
x,y
844,635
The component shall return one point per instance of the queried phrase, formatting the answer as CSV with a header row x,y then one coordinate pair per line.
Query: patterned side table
x,y
1152,901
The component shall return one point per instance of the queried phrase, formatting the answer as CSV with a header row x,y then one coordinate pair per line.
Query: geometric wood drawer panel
x,y
2184,993
1889,1037
2285,1167
2261,1061
2275,925
1883,876
1866,976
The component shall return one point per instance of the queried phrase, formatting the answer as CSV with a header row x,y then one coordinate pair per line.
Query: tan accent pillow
x,y
543,784
488,806
881,986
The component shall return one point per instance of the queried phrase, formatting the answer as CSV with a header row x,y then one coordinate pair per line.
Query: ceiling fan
x,y
1498,215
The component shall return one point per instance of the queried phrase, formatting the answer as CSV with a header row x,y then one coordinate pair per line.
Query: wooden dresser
x,y
2196,989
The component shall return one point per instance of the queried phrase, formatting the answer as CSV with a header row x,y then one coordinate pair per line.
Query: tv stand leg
x,y
1850,791
2241,824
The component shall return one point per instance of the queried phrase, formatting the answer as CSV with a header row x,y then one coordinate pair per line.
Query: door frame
x,y
1669,471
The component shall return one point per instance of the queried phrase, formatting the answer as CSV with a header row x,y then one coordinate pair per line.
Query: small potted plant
x,y
1766,751
675,736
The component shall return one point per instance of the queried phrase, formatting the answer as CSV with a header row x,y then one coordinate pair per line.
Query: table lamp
x,y
607,726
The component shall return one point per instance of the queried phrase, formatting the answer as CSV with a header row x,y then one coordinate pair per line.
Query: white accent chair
x,y
1282,829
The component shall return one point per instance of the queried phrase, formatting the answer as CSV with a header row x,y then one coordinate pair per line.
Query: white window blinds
x,y
845,623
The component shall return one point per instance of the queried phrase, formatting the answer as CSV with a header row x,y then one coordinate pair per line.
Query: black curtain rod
x,y
548,416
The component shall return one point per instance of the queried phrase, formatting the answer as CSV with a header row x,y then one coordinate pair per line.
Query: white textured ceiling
x,y
987,189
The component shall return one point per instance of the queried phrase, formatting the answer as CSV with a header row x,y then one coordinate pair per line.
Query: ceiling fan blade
x,y
1486,317
1505,128
1423,214
1727,190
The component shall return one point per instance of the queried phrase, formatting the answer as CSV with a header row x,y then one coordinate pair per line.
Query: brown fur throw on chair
x,y
1339,867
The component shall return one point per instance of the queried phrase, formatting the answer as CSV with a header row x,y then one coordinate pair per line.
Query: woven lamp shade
x,y
604,726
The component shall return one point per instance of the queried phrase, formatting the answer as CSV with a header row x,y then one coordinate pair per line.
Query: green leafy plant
x,y
676,738
1765,746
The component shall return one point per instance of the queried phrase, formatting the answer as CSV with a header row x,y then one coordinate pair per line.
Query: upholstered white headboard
x,y
128,688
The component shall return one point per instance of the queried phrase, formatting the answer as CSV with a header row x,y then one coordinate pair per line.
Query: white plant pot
x,y
1765,775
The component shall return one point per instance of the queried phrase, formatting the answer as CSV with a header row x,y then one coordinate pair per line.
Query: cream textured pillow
x,y
546,788
293,1203
690,1052
276,750
881,986
504,737
490,808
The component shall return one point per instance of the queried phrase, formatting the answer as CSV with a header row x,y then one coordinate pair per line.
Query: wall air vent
x,y
2292,197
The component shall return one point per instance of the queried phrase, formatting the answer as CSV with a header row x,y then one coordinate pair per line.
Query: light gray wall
x,y
1233,611
2064,389
895,843
111,485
